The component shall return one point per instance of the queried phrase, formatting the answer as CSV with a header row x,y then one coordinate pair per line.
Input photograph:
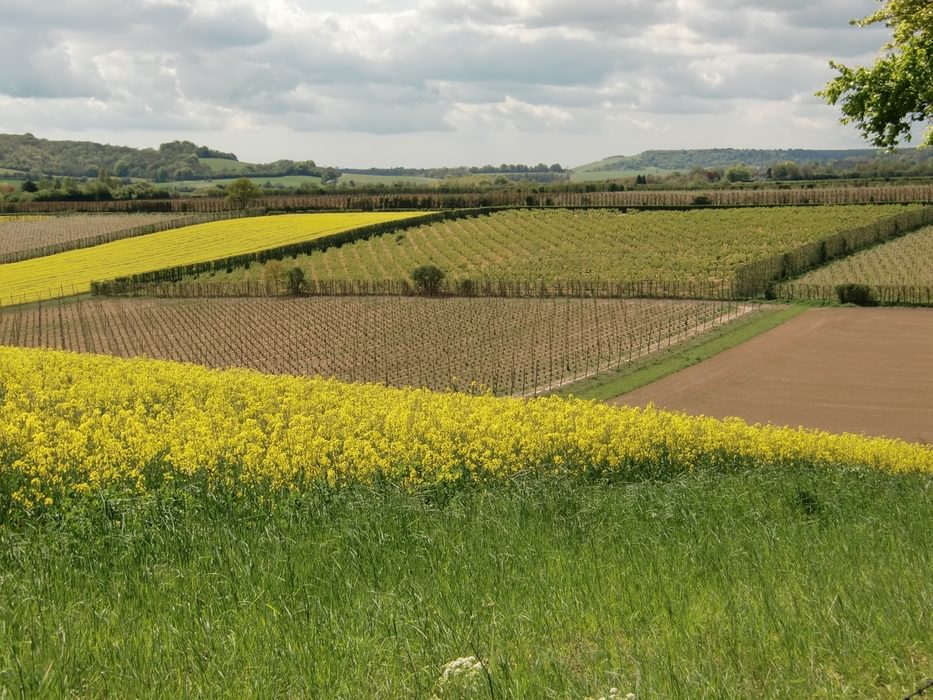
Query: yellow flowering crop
x,y
74,270
72,424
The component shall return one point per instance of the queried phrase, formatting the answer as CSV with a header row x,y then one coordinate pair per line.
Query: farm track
x,y
509,346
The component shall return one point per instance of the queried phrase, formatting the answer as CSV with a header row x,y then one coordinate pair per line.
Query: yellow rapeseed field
x,y
73,271
72,424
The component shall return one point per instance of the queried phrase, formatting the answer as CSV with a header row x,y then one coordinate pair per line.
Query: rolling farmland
x,y
227,513
73,271
687,246
509,346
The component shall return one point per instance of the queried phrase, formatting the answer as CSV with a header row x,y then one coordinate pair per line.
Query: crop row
x,y
508,346
549,245
277,285
73,271
900,270
81,424
784,196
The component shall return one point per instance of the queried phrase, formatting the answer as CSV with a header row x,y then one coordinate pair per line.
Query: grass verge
x,y
772,583
626,378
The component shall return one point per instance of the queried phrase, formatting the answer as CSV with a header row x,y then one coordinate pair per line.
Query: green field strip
x,y
628,377
365,180
72,272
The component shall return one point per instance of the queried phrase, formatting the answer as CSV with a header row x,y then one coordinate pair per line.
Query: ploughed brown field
x,y
843,370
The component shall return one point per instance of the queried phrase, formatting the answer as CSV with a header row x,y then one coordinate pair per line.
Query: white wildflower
x,y
460,678
614,695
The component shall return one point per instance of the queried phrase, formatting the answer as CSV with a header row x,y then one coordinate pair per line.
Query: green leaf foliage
x,y
886,100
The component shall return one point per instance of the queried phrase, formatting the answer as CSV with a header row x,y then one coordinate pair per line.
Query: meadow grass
x,y
366,180
601,175
772,583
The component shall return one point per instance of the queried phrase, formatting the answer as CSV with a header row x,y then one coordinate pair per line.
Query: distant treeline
x,y
778,164
176,160
436,200
510,171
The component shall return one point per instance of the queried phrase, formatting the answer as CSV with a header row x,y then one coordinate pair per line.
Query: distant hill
x,y
173,161
685,160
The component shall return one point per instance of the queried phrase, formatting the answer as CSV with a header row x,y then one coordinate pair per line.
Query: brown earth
x,y
842,370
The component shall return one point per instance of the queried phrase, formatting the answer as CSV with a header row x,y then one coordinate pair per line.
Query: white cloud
x,y
510,115
672,72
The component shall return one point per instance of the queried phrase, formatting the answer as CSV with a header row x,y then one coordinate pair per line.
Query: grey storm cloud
x,y
384,67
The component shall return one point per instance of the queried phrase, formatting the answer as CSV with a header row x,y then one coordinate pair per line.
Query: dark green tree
x,y
886,100
427,278
243,192
297,284
739,173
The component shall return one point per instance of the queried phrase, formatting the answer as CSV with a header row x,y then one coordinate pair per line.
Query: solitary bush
x,y
427,278
858,294
296,281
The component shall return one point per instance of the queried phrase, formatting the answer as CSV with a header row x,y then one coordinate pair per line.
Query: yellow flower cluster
x,y
72,424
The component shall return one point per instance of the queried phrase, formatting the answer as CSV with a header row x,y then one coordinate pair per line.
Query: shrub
x,y
427,278
858,294
296,281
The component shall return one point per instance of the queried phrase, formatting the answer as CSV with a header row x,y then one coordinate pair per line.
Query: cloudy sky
x,y
359,83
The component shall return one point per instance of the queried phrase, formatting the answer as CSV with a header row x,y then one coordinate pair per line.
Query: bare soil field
x,y
843,370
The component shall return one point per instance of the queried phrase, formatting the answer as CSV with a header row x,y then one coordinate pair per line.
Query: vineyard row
x,y
891,294
892,194
463,287
757,278
754,280
507,346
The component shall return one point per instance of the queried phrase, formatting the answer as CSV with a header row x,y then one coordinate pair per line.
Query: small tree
x,y
739,173
241,193
273,273
427,278
296,281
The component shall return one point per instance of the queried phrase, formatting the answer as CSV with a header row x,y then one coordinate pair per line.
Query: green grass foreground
x,y
770,584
